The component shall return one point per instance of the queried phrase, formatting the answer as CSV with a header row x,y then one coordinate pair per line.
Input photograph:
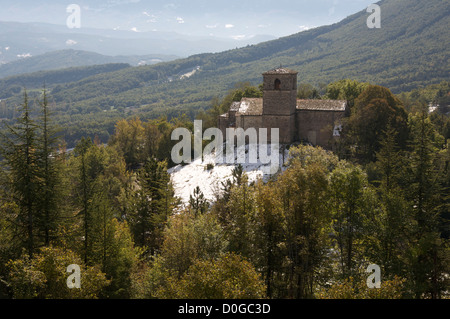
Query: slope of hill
x,y
37,80
410,50
74,58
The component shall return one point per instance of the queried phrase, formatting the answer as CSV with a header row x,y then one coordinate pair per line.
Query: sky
x,y
231,19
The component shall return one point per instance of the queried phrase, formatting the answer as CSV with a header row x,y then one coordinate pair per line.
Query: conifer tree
x,y
197,202
427,256
269,236
19,150
303,192
154,203
390,228
50,188
349,207
83,188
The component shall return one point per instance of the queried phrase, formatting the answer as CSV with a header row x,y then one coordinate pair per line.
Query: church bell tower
x,y
280,103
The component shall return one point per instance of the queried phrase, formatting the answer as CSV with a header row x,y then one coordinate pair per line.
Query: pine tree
x,y
154,203
220,207
197,202
269,236
50,188
390,228
348,189
303,191
19,150
83,188
238,226
426,193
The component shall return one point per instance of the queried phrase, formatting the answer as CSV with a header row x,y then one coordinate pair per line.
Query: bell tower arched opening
x,y
277,84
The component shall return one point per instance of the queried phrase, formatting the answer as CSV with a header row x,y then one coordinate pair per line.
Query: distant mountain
x,y
224,19
73,58
18,40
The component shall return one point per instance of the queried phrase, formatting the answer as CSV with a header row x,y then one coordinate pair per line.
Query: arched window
x,y
277,84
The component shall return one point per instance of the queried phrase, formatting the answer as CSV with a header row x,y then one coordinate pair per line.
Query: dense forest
x,y
309,232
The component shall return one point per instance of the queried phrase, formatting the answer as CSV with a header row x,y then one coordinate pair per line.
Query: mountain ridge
x,y
17,39
68,58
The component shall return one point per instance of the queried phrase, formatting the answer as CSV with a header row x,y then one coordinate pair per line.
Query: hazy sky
x,y
231,18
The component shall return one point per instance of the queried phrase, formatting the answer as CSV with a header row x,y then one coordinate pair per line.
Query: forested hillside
x,y
12,85
409,51
56,60
309,232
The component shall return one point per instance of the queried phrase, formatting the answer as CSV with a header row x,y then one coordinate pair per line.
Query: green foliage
x,y
10,85
137,141
346,89
349,289
119,258
228,277
375,109
32,171
45,276
351,201
425,191
197,202
307,91
303,192
153,203
245,90
189,238
221,106
434,94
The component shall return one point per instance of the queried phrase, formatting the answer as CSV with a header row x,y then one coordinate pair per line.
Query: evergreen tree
x,y
50,188
390,228
20,152
197,202
268,236
349,206
220,207
154,203
303,192
427,254
83,189
238,226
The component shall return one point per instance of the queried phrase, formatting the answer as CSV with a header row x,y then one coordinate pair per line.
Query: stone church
x,y
310,121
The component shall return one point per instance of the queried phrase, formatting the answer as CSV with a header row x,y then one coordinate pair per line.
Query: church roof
x,y
322,105
249,106
280,70
235,106
254,106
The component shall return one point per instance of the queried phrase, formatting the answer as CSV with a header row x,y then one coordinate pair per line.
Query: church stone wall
x,y
316,126
223,123
285,124
250,121
279,103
